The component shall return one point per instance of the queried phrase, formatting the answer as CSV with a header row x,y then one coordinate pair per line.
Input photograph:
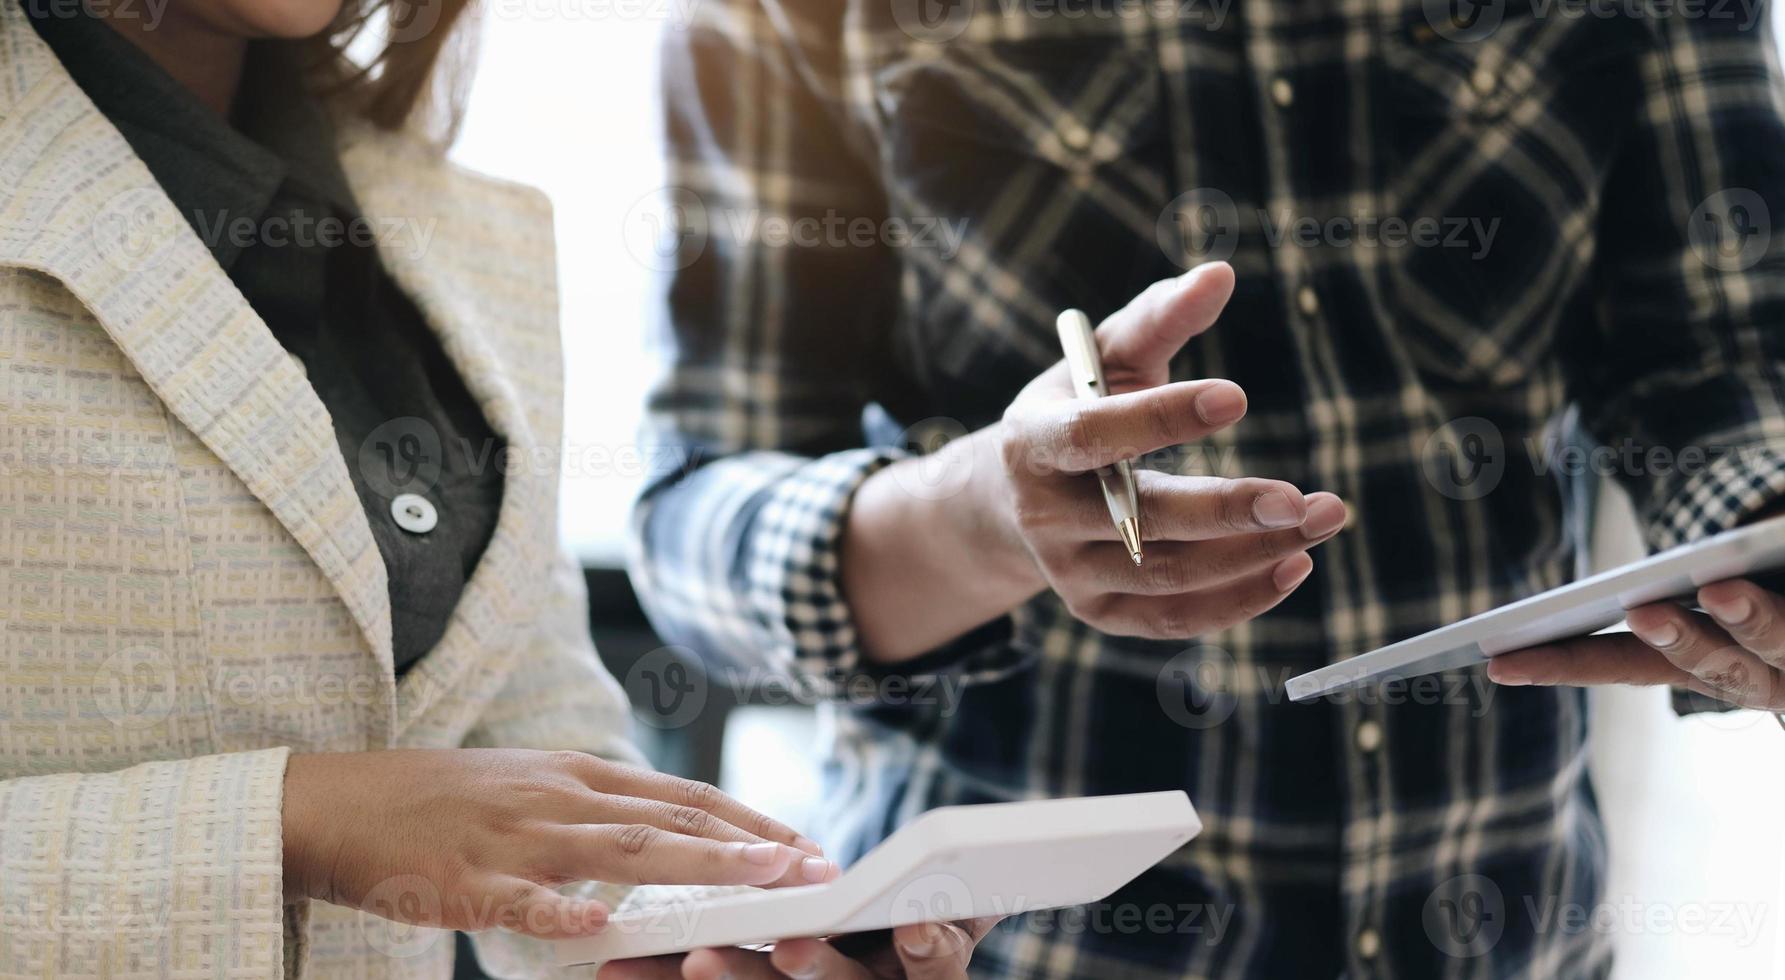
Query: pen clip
x,y
1079,343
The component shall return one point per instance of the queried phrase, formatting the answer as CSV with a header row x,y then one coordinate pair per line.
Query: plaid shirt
x,y
1443,236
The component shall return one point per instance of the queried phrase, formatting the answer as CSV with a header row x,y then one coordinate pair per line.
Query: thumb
x,y
1139,340
933,951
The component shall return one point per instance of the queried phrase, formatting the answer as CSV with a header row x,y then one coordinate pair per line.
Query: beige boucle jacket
x,y
189,590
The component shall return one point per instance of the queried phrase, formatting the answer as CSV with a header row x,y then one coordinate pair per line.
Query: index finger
x,y
1608,658
640,854
1163,318
631,781
1077,436
649,968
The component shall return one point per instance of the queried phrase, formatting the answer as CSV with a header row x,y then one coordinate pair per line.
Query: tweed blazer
x,y
189,589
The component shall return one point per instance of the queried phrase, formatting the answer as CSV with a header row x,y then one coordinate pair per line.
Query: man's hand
x,y
928,951
920,569
1219,550
1734,654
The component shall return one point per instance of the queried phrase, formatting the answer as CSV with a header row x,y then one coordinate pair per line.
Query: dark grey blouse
x,y
265,191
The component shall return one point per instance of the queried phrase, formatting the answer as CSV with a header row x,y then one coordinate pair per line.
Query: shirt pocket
x,y
1021,144
1494,153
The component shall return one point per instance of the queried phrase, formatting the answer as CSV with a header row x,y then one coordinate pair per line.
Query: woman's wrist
x,y
300,829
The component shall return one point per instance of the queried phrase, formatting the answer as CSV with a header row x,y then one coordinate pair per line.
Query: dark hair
x,y
417,76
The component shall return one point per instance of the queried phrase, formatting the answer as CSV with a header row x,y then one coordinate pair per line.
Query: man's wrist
x,y
984,521
926,556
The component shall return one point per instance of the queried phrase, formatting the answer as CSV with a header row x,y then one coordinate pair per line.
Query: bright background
x,y
568,104
565,101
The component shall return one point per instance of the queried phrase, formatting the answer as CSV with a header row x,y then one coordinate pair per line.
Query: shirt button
x,y
1307,300
1369,736
1282,93
1075,136
1369,943
414,513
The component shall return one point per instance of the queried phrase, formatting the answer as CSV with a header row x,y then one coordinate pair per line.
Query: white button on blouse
x,y
414,513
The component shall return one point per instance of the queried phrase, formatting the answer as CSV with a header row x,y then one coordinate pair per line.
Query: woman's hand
x,y
474,838
1735,654
928,951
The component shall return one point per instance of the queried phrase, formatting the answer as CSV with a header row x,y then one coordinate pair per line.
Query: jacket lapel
x,y
77,204
469,272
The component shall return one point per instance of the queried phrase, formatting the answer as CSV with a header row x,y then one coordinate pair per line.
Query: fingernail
x,y
807,972
1221,404
816,869
1291,573
764,853
1507,676
808,845
1664,635
1735,612
923,945
1324,517
1274,509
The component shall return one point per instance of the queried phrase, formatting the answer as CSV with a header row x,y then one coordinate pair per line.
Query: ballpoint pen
x,y
1086,367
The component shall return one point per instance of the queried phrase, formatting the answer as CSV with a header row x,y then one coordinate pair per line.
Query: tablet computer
x,y
951,863
1577,609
